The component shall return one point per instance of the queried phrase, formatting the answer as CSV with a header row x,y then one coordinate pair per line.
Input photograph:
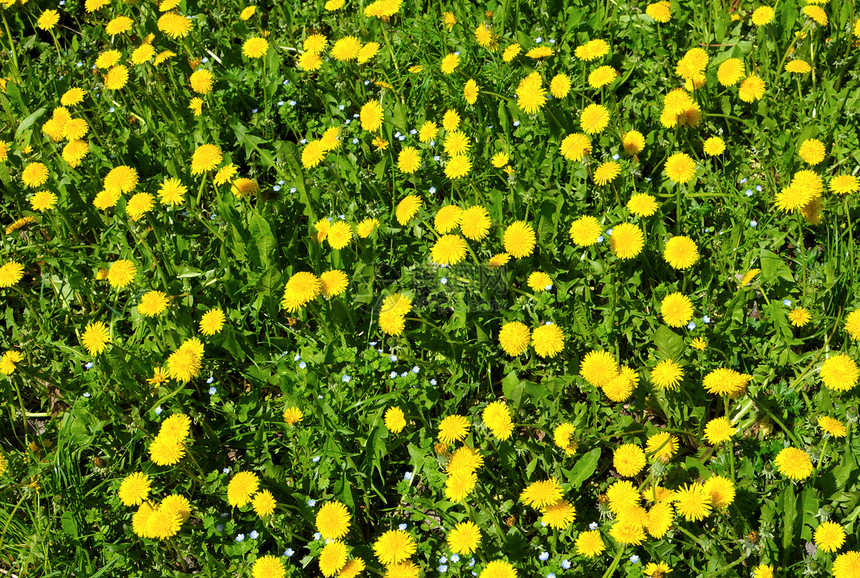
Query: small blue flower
x,y
552,40
393,374
204,60
254,110
432,143
404,374
348,121
219,528
436,158
213,390
634,558
471,562
111,109
355,116
210,379
254,534
455,557
397,134
432,382
753,223
743,180
758,188
457,53
304,141
340,107
240,537
80,64
158,410
315,459
401,138
592,526
224,514
293,189
86,394
413,131
538,39
289,552
786,302
402,527
366,82
302,365
432,190
691,326
407,475
550,575
600,239
443,280
313,503
297,357
225,471
317,536
355,141
373,343
565,564
280,103
291,102
415,369
276,188
345,378
88,364
393,358
748,192
442,568
609,232
516,123
615,157
706,319
544,556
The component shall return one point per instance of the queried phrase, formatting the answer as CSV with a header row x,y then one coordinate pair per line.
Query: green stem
x,y
615,561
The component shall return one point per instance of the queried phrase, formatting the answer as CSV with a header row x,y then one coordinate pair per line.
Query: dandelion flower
x,y
628,460
134,489
242,487
393,547
660,11
676,309
333,558
346,49
832,426
539,281
642,205
592,50
719,430
562,438
332,520
627,241
339,235
470,91
662,446
206,158
171,191
793,463
519,239
575,146
730,71
845,565
602,76
409,160
752,88
724,381
763,15
449,63
514,338
839,373
175,25
844,184
511,52
428,131
548,340
559,516
8,361
152,303
714,146
681,252
447,219
497,417
606,172
812,151
460,484
680,168
95,338
667,375
395,421
121,273
633,142
407,208
464,538
292,416
453,428
590,544
11,273
334,283
117,77
212,322
255,47
799,316
585,231
301,289
268,567
560,85
598,368
594,119
542,494
829,537
721,491
693,502
34,175
531,95
475,223
166,451
372,116
797,67
201,81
